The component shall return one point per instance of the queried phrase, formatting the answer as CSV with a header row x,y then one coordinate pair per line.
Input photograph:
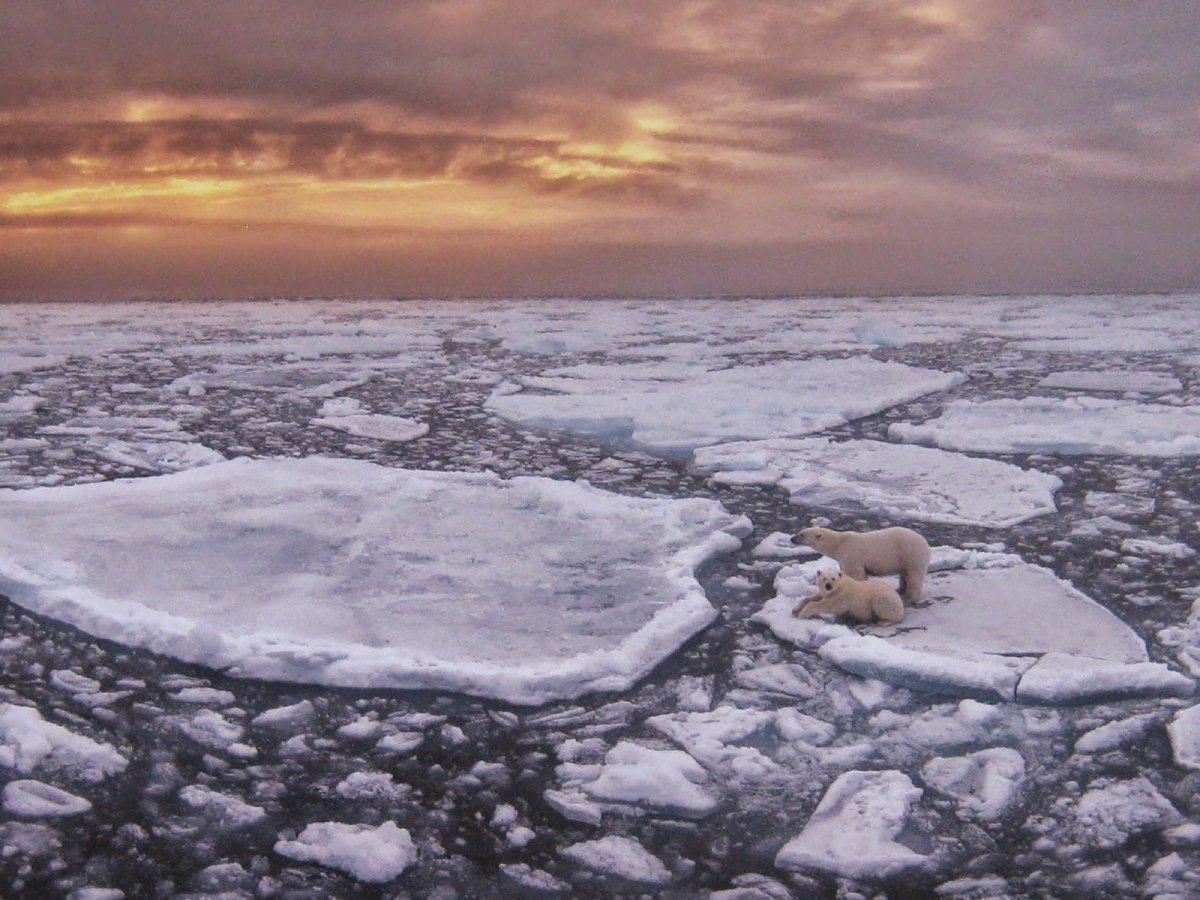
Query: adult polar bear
x,y
888,551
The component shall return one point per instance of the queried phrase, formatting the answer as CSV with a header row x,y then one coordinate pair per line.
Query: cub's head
x,y
817,538
828,580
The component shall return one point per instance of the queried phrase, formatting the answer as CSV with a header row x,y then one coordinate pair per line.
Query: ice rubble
x,y
1072,425
899,480
983,783
676,408
143,442
1184,732
853,830
988,625
348,573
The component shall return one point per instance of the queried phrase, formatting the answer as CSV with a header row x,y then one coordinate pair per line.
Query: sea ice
x,y
983,782
661,781
230,811
1113,381
1074,425
898,480
619,857
719,740
1112,735
852,831
1184,732
27,741
38,800
1110,812
349,415
676,409
348,573
989,625
373,855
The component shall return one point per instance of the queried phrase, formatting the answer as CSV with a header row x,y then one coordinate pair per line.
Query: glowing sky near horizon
x,y
658,146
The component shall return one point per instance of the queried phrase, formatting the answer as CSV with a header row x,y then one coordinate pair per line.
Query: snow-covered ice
x,y
853,830
620,857
38,800
1184,731
344,572
1074,425
1112,381
897,480
666,782
988,624
982,783
349,415
28,742
665,408
374,855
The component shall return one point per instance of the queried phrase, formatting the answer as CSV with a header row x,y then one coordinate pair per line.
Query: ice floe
x,y
1184,732
1072,425
853,830
676,409
28,742
897,480
637,778
1112,381
349,415
620,857
344,572
38,800
374,855
988,625
983,783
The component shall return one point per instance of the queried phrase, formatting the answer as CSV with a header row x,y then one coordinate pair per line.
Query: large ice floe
x,y
901,480
988,625
1072,425
348,573
676,408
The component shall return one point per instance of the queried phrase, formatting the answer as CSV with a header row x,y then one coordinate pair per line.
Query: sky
x,y
626,147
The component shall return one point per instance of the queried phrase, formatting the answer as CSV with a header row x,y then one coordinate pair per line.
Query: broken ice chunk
x,y
852,831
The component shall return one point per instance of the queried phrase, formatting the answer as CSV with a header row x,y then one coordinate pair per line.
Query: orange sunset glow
x,y
474,147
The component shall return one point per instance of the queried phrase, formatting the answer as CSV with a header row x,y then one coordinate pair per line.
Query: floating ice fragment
x,y
350,416
373,855
983,783
231,812
991,626
662,781
1063,678
1110,812
619,857
899,480
38,800
292,717
1113,381
1074,425
346,573
32,742
1112,735
669,408
852,831
1184,732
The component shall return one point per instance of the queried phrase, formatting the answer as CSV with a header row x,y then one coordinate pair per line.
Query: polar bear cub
x,y
889,551
839,595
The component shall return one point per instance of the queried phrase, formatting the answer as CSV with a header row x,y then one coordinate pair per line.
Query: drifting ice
x,y
347,573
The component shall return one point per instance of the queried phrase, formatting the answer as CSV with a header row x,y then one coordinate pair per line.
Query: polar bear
x,y
889,551
838,594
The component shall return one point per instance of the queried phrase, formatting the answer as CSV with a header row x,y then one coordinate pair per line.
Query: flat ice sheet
x,y
988,624
344,572
918,483
1074,425
676,408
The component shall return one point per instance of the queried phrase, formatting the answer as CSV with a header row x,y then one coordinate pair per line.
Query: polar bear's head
x,y
817,538
828,581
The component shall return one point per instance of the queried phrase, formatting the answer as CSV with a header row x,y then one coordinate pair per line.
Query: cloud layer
x,y
651,146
